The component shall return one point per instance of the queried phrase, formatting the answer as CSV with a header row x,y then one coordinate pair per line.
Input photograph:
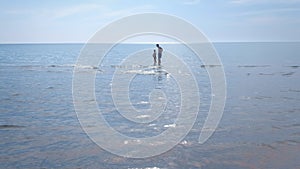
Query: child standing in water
x,y
154,56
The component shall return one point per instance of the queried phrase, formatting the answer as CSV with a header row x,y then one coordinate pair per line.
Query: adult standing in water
x,y
159,55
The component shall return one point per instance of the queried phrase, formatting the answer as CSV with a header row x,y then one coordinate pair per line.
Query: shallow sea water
x,y
260,127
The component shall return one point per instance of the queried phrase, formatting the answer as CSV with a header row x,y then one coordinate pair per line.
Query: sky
x,y
74,21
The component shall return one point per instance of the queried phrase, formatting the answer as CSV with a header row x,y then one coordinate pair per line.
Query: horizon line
x,y
32,43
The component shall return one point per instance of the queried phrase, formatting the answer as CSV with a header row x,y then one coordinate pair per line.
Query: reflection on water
x,y
259,129
147,80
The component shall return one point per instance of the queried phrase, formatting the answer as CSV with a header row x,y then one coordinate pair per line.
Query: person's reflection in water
x,y
158,78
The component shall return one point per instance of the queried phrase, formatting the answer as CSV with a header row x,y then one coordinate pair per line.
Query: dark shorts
x,y
159,55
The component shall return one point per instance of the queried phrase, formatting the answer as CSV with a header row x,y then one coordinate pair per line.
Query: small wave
x,y
245,98
288,98
146,168
73,65
266,74
204,66
86,67
209,130
294,90
276,127
152,124
16,94
7,126
53,67
253,66
294,67
268,146
131,66
295,125
143,102
146,72
287,74
142,116
142,72
262,97
289,142
169,125
184,142
63,65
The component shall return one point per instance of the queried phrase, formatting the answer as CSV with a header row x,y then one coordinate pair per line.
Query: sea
x,y
259,127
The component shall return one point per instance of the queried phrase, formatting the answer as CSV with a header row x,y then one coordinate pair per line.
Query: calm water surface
x,y
260,127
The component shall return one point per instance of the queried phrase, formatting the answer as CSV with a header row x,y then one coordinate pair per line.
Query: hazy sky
x,y
221,20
